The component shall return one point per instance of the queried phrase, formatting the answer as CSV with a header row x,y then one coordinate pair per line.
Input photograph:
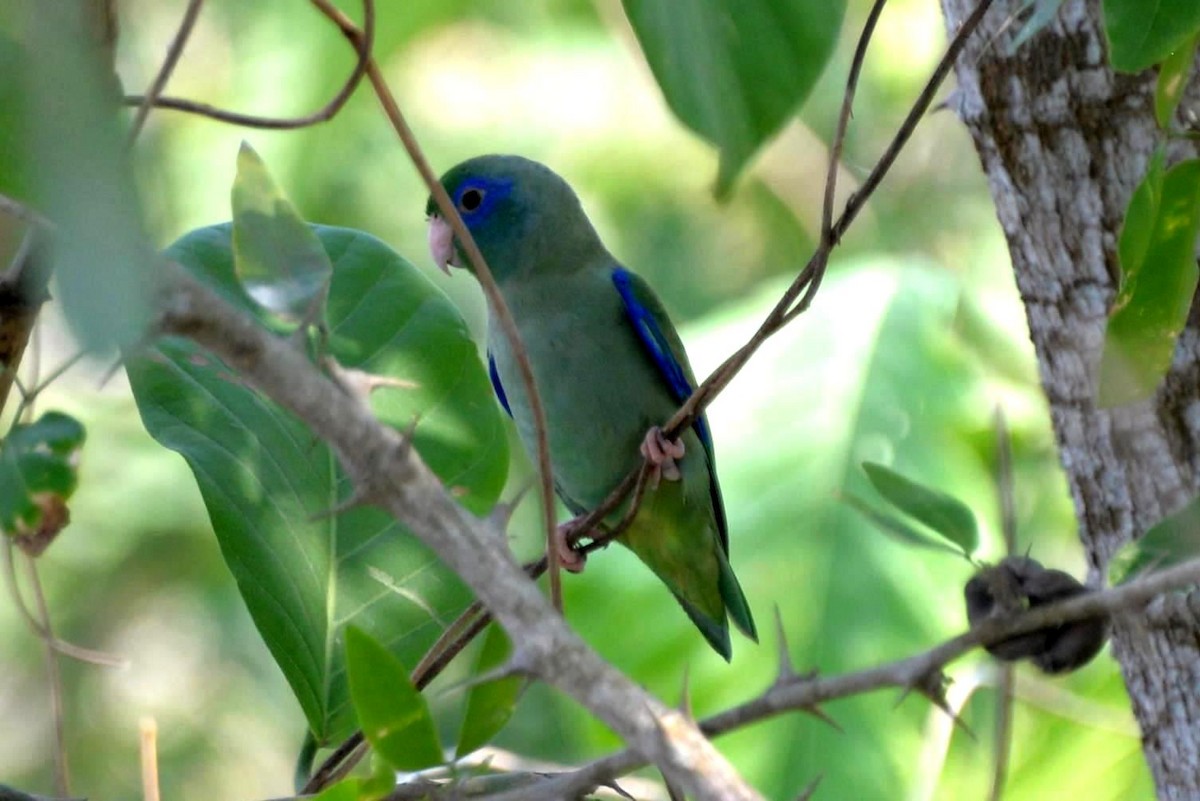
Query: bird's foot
x,y
663,455
569,559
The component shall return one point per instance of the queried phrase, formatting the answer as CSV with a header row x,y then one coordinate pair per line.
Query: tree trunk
x,y
1064,141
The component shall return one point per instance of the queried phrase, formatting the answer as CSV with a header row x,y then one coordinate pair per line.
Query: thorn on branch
x,y
357,499
820,714
616,788
787,672
685,697
932,685
501,514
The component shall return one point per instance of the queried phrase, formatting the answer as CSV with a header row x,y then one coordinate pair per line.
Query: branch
x,y
174,51
362,40
387,471
805,693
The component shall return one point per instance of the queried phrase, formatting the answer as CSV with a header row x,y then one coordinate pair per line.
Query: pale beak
x,y
441,244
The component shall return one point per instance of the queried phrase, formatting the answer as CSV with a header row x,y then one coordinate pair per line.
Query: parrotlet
x,y
610,368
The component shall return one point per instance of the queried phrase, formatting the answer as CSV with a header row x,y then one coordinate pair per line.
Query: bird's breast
x,y
599,388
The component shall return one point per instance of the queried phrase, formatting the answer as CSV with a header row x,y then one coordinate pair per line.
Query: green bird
x,y
610,368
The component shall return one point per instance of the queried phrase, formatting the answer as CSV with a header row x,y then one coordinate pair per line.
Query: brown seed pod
x,y
1018,583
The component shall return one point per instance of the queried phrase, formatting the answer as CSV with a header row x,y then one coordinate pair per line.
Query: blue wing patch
x,y
658,347
496,385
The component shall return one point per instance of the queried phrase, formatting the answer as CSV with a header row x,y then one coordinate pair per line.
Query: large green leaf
x,y
734,70
392,713
1142,33
267,482
1158,280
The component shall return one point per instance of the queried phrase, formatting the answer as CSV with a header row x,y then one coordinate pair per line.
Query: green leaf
x,y
392,713
77,171
276,255
943,513
1172,80
898,529
268,484
734,71
1141,33
1158,280
492,703
37,459
1173,540
1043,14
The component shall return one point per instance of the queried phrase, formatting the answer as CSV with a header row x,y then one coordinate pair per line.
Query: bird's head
x,y
523,216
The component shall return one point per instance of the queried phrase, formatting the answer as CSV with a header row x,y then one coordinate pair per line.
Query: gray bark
x,y
1064,141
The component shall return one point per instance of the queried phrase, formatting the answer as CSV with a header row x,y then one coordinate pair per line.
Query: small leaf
x,y
1141,33
943,513
1043,14
393,714
1158,281
278,258
1173,540
54,431
37,470
491,704
1172,79
897,528
734,71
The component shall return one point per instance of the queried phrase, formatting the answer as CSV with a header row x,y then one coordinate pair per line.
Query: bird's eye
x,y
470,200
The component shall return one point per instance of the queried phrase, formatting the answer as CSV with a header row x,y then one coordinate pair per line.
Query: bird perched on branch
x,y
609,367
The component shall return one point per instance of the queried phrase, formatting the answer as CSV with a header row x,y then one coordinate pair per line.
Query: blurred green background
x,y
915,337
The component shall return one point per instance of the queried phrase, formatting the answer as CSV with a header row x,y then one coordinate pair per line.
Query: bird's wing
x,y
662,344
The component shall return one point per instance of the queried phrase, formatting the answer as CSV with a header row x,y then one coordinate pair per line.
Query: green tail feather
x,y
736,607
734,598
717,633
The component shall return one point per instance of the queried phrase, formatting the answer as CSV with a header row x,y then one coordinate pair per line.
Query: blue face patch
x,y
476,198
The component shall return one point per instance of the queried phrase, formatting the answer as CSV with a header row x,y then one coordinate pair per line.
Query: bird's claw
x,y
569,559
663,455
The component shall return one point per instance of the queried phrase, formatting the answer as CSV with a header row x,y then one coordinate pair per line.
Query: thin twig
x,y
806,692
174,51
1002,731
62,773
29,394
508,325
362,40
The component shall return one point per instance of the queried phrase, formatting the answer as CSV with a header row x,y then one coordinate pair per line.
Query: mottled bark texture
x,y
1064,141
